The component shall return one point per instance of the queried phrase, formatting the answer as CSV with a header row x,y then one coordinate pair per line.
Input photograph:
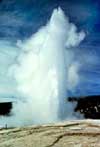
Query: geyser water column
x,y
41,70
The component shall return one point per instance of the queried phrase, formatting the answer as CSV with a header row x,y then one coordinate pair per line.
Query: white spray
x,y
45,70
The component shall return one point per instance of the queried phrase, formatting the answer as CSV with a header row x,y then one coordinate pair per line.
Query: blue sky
x,y
20,19
23,17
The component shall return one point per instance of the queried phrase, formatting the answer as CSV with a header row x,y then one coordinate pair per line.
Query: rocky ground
x,y
85,133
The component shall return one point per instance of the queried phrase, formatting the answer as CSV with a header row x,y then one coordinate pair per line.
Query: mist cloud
x,y
42,74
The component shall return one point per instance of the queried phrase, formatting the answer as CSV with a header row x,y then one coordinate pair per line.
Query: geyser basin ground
x,y
67,134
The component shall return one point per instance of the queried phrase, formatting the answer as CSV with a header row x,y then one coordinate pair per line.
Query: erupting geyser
x,y
44,70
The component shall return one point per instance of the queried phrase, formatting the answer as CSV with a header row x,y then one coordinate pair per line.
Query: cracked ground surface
x,y
80,133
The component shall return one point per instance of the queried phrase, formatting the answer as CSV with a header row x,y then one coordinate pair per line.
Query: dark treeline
x,y
89,106
5,108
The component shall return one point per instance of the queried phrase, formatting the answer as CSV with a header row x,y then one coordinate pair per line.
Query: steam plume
x,y
44,71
